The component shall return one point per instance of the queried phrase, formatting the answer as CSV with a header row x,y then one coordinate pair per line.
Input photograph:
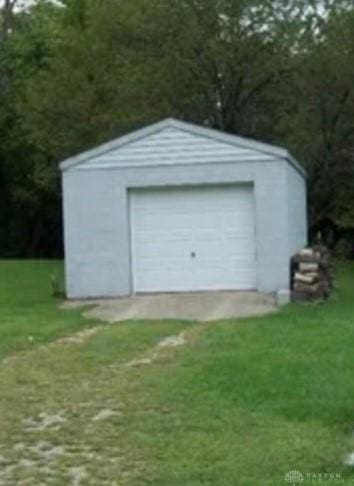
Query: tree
x,y
76,73
27,196
320,121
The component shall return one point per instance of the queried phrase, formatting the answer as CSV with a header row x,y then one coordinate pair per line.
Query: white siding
x,y
97,228
297,210
97,242
173,146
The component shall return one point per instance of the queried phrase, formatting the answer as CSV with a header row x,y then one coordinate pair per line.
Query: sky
x,y
20,4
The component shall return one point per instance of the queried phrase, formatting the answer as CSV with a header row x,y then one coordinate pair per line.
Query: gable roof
x,y
190,128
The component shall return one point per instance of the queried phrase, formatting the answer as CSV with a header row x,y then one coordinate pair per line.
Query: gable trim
x,y
110,165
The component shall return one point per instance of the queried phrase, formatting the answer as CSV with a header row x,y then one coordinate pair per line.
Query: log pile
x,y
311,271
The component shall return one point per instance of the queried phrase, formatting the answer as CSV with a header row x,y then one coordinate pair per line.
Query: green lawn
x,y
241,403
28,313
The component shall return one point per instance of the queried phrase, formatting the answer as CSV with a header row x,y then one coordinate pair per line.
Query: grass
x,y
29,314
242,403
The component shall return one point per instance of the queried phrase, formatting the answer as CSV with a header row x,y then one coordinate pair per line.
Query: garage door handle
x,y
193,255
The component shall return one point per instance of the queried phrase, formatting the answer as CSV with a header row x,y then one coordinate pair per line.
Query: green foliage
x,y
320,127
79,72
343,249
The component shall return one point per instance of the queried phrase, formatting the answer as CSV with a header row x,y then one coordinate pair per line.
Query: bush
x,y
343,249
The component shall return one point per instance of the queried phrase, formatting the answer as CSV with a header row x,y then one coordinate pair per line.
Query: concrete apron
x,y
203,306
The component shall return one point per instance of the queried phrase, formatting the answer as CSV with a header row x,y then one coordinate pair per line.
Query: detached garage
x,y
175,207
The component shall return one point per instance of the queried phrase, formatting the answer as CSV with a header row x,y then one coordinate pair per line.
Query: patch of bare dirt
x,y
106,413
79,337
173,341
44,422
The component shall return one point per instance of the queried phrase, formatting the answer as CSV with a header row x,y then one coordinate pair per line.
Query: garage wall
x,y
272,226
297,210
96,244
97,236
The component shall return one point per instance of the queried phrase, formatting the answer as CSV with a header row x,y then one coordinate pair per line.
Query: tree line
x,y
75,73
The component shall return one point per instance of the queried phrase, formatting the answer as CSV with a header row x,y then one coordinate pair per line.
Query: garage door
x,y
195,238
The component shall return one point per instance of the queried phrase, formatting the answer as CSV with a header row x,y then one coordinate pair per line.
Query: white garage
x,y
193,238
175,207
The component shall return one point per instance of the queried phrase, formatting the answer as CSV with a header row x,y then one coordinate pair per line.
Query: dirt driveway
x,y
203,306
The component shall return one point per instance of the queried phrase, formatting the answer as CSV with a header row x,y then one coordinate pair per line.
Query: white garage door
x,y
193,238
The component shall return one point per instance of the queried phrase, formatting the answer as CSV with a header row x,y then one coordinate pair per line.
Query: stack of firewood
x,y
311,274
